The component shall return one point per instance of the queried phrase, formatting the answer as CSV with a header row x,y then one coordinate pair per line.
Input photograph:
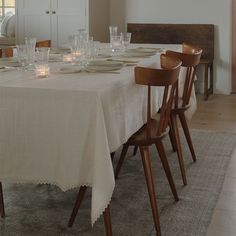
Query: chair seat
x,y
139,138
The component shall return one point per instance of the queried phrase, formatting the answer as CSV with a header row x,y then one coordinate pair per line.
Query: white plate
x,y
138,54
124,59
59,50
9,61
146,50
106,63
103,56
5,69
55,58
70,69
100,66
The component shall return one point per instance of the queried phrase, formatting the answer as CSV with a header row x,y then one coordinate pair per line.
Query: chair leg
x,y
2,209
150,185
135,150
112,156
121,160
79,199
166,167
107,221
187,134
172,135
178,146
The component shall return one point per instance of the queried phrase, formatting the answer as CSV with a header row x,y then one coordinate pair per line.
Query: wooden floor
x,y
219,113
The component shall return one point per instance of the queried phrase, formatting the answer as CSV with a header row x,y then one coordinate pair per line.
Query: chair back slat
x,y
190,57
188,92
6,52
167,77
170,102
44,43
148,134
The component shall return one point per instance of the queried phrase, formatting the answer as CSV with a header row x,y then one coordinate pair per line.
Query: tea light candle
x,y
68,58
42,71
77,53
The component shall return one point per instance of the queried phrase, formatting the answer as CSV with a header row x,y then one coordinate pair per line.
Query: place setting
x,y
8,63
93,67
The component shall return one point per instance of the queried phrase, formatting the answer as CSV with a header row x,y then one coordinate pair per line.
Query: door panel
x,y
51,19
68,17
33,27
33,19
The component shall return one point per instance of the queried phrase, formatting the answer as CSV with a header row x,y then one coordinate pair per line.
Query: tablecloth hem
x,y
24,181
97,215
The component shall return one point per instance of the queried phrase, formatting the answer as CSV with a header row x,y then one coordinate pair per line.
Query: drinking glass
x,y
113,32
116,43
30,43
21,51
42,55
126,37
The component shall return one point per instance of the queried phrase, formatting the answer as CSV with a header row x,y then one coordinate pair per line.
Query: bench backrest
x,y
201,35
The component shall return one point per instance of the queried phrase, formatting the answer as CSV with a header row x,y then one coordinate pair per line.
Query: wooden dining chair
x,y
6,52
156,128
106,213
2,209
190,57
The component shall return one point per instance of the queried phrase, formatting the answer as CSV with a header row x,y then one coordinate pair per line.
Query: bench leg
x,y
208,89
206,82
211,79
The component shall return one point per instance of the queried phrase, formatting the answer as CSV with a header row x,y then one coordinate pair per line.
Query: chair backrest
x,y
44,43
6,52
190,57
167,77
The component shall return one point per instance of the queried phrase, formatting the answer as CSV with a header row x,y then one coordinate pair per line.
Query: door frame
x,y
233,90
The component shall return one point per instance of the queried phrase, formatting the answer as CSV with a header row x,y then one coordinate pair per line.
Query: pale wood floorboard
x,y
219,113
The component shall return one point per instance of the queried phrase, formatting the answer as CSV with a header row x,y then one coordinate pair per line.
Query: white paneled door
x,y
51,19
67,17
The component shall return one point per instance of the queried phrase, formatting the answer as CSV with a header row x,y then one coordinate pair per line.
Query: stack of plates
x,y
71,69
9,62
59,50
55,58
142,52
104,66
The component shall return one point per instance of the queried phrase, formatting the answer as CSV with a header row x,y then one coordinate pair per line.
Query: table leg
x,y
79,199
107,221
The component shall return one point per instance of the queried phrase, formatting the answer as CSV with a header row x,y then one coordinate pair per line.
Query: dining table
x,y
61,129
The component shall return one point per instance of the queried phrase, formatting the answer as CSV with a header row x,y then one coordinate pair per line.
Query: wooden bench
x,y
201,35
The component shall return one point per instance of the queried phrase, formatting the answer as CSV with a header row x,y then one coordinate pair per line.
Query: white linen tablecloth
x,y
60,130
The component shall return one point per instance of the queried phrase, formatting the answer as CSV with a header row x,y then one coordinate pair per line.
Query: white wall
x,y
99,19
217,12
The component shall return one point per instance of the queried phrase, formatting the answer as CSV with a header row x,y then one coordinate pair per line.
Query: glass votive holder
x,y
42,71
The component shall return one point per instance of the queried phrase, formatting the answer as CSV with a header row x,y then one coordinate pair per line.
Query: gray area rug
x,y
38,210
